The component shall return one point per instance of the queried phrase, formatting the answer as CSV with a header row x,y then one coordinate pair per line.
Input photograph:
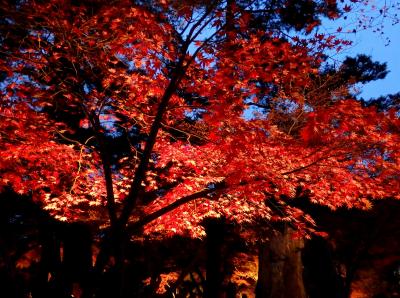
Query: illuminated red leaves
x,y
34,163
110,67
345,156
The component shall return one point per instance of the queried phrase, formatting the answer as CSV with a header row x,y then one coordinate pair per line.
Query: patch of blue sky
x,y
380,39
44,34
194,113
252,113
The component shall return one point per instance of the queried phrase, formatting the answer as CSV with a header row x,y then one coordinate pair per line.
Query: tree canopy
x,y
160,114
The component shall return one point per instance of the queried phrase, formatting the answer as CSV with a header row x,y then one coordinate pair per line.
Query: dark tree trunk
x,y
48,281
77,260
280,273
214,267
321,273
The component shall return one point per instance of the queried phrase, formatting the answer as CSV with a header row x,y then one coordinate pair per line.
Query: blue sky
x,y
375,45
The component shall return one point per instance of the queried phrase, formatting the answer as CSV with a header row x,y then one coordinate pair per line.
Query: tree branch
x,y
207,192
151,140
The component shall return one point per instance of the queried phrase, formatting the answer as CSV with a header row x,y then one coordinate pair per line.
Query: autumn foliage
x,y
217,107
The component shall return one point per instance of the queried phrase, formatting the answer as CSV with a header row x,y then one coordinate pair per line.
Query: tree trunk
x,y
280,273
48,281
321,274
77,260
214,265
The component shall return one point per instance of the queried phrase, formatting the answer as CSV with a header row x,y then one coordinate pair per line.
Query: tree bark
x,y
77,260
48,281
280,273
321,274
214,265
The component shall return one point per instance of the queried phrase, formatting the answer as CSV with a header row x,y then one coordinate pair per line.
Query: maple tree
x,y
175,82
